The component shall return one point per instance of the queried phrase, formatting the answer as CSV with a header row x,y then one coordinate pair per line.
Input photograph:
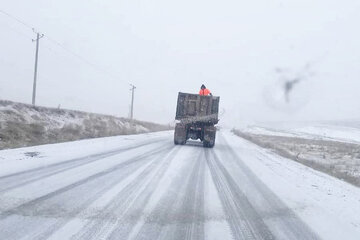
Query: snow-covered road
x,y
144,187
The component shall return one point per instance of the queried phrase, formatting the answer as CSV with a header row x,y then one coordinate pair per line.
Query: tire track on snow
x,y
180,212
117,218
38,207
244,221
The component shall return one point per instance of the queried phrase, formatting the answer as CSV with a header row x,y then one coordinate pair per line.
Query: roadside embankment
x,y
25,125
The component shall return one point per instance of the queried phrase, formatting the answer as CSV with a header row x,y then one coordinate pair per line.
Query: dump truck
x,y
197,116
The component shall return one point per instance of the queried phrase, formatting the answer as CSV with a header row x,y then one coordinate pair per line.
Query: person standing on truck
x,y
204,91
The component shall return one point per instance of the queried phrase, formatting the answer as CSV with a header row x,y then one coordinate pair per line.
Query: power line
x,y
16,19
57,43
81,58
19,32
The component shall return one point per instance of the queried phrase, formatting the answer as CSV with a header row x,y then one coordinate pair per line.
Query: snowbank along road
x,y
144,187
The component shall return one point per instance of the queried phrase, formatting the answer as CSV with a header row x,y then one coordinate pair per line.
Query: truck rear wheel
x,y
209,136
180,134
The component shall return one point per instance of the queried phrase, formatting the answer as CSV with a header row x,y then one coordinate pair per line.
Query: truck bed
x,y
197,108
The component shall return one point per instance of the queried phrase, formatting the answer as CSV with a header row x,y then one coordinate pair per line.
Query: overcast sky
x,y
243,51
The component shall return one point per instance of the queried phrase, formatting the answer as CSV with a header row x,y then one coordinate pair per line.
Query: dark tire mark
x,y
180,214
283,221
118,216
136,211
191,210
244,221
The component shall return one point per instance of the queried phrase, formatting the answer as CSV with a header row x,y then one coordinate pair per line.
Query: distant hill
x,y
25,125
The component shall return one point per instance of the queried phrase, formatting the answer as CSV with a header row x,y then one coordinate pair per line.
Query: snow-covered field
x,y
25,125
332,148
346,131
145,187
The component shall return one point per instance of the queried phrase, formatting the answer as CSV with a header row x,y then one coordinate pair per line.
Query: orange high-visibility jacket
x,y
204,92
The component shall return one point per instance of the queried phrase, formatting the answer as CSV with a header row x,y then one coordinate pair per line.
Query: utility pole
x,y
38,37
132,101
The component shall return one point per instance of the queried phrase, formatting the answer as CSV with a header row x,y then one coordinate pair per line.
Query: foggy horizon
x,y
267,60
